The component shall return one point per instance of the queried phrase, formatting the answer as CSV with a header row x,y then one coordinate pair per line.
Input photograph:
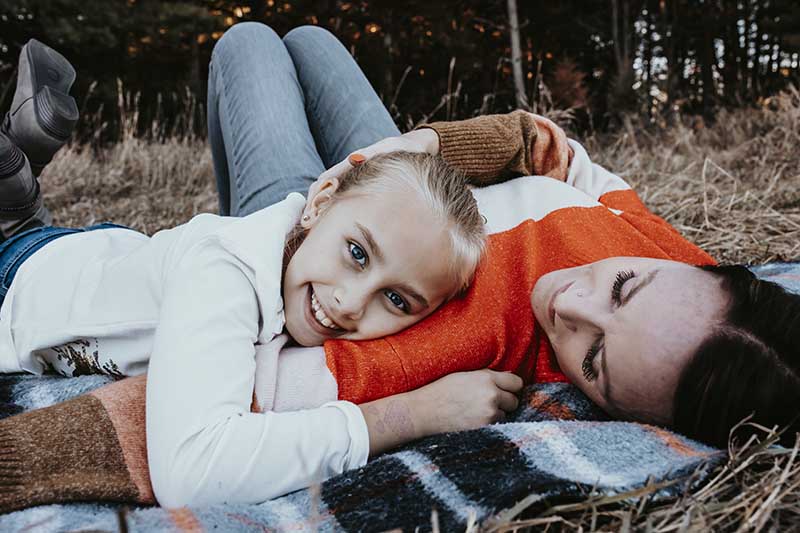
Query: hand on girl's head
x,y
376,257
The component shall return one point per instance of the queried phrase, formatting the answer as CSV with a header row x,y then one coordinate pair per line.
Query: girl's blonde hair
x,y
442,188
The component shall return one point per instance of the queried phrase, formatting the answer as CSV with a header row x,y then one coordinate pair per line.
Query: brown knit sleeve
x,y
494,148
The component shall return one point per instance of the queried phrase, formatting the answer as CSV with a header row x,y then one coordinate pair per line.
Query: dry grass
x,y
758,489
145,185
733,188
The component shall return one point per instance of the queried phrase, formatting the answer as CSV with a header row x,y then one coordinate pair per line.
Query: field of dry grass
x,y
732,187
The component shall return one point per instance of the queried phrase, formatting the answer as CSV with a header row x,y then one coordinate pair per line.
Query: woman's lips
x,y
551,310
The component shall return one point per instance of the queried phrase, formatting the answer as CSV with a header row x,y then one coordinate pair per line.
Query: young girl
x,y
368,254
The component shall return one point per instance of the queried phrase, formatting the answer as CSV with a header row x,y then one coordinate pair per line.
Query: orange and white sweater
x,y
535,225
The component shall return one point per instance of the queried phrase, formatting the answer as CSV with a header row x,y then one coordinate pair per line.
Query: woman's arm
x,y
493,148
488,149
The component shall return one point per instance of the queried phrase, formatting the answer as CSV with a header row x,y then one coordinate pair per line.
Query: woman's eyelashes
x,y
587,367
619,281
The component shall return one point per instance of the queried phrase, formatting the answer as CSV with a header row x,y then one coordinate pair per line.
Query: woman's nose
x,y
574,307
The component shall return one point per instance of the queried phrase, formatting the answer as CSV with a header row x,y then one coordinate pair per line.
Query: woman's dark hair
x,y
749,365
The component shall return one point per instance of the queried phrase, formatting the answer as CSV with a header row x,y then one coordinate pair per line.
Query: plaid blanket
x,y
556,448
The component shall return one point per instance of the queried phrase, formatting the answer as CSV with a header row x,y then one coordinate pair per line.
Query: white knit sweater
x,y
201,302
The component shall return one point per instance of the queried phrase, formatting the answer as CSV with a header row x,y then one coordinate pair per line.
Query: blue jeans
x,y
15,250
281,111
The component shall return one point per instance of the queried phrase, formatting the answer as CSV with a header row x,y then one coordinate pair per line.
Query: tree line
x,y
434,60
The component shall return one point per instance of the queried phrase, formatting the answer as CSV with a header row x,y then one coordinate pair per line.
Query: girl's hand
x,y
460,401
466,400
422,140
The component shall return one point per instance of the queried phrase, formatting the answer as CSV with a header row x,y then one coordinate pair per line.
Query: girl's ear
x,y
316,204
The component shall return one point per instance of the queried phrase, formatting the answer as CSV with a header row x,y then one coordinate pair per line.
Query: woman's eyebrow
x,y
373,246
644,283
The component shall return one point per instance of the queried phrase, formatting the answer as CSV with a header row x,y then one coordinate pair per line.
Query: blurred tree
x,y
516,55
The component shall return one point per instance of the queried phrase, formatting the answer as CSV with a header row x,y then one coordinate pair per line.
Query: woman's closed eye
x,y
358,254
616,289
587,367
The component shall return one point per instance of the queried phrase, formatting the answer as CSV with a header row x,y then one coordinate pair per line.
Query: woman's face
x,y
624,328
370,265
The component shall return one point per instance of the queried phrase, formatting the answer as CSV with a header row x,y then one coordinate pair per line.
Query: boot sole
x,y
52,77
12,161
56,112
11,158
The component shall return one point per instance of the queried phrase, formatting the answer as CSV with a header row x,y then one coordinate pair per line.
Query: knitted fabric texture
x,y
78,450
496,147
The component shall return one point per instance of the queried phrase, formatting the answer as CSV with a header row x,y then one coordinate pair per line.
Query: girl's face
x,y
370,265
624,328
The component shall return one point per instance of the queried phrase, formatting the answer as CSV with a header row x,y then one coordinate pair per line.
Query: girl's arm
x,y
204,445
456,402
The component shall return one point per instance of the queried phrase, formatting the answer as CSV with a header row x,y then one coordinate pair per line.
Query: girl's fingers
x,y
507,381
507,401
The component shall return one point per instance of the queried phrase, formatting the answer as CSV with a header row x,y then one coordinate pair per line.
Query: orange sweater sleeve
x,y
493,326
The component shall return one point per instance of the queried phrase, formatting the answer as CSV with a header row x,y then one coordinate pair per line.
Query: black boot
x,y
42,113
21,206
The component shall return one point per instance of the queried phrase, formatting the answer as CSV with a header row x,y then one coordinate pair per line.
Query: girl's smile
x,y
319,319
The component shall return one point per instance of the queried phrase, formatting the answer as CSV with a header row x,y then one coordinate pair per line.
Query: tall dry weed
x,y
141,183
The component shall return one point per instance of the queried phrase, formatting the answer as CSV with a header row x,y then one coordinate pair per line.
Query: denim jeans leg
x,y
343,110
260,139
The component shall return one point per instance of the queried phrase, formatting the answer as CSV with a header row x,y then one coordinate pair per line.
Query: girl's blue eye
x,y
397,300
358,254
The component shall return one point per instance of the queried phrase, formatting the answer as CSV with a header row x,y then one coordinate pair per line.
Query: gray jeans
x,y
281,111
